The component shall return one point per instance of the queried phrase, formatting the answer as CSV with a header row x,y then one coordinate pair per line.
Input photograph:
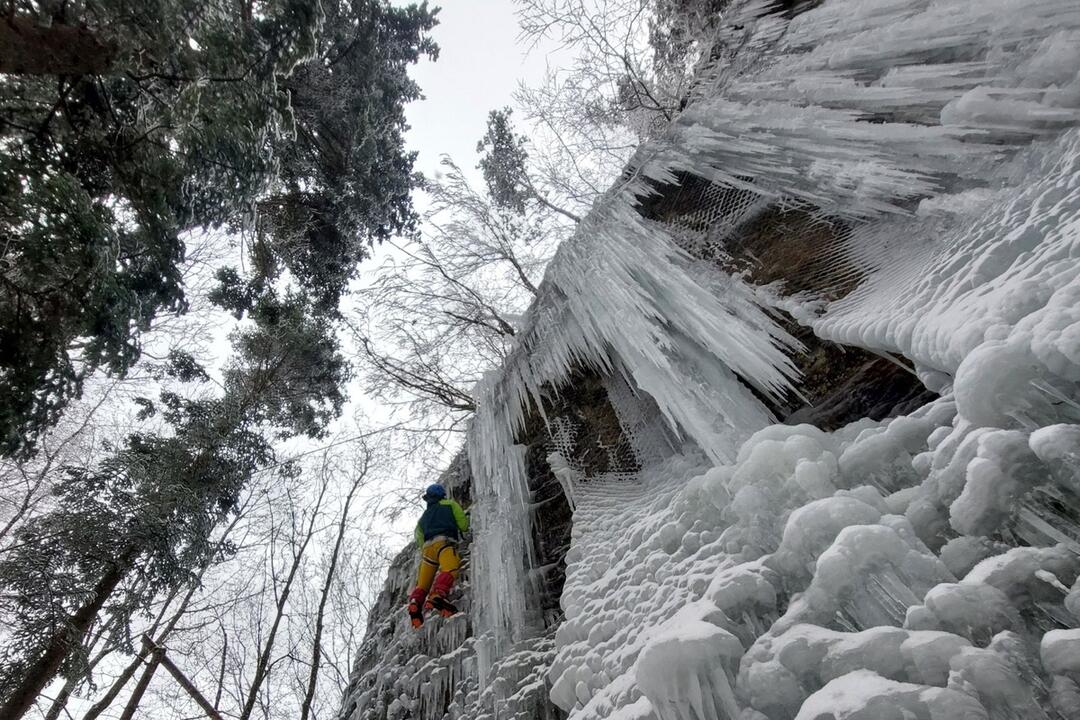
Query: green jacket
x,y
443,517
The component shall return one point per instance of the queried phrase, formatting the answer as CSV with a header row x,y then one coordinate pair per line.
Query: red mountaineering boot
x,y
416,607
443,582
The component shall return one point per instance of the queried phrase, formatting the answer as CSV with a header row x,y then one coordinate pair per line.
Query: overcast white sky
x,y
480,64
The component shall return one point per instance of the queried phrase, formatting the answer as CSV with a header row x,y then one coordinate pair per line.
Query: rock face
x,y
400,673
792,430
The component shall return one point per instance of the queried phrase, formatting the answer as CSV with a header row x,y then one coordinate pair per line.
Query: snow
x,y
684,670
923,566
863,695
1059,447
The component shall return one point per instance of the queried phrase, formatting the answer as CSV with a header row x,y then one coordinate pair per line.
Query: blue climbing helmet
x,y
435,492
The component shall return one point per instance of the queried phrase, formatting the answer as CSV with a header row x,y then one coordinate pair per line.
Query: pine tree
x,y
139,522
107,162
183,115
345,182
192,115
504,163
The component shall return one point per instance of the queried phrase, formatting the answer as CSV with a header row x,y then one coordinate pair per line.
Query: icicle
x,y
564,474
958,205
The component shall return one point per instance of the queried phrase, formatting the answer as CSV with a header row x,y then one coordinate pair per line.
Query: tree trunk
x,y
59,705
68,637
185,682
316,643
61,700
60,645
262,666
144,652
27,49
144,682
129,672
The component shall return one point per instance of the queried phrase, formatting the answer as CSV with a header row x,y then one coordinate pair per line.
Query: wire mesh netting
x,y
767,240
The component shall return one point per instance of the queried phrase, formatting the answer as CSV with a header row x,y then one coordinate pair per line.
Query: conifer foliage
x,y
278,120
185,115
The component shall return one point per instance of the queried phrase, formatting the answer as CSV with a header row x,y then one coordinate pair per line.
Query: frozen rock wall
x,y
794,583
432,674
923,566
912,170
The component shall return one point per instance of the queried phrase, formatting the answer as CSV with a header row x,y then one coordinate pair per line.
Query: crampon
x,y
441,605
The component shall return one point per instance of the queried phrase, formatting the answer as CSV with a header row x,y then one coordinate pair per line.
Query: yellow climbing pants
x,y
438,555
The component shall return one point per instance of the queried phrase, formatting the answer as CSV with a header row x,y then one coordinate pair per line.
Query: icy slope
x,y
859,108
925,566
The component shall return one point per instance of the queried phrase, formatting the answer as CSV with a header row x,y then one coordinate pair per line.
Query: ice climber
x,y
437,536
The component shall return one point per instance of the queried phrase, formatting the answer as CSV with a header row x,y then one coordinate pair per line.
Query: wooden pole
x,y
193,691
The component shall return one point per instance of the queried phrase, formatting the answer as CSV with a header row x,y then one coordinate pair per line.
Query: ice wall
x,y
924,566
860,107
953,88
400,673
623,291
799,581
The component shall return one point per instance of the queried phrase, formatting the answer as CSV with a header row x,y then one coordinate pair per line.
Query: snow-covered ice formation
x,y
746,586
922,566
